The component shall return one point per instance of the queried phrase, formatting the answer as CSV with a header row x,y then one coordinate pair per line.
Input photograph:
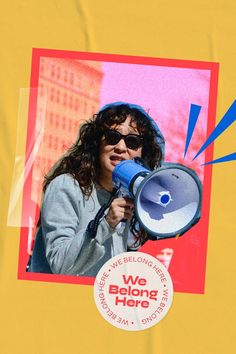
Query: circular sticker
x,y
133,291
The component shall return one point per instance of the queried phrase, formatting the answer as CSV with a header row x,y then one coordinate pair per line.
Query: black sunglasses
x,y
132,141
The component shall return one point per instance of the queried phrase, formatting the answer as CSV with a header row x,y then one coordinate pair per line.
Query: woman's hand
x,y
121,208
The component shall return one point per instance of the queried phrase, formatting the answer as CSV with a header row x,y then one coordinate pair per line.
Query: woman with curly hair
x,y
81,183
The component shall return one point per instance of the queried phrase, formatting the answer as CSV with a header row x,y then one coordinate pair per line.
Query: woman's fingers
x,y
121,208
122,202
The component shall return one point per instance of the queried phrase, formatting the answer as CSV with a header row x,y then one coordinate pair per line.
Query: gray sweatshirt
x,y
62,244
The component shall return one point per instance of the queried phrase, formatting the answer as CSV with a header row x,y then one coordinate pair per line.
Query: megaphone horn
x,y
167,200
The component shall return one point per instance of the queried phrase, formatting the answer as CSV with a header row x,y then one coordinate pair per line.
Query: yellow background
x,y
47,318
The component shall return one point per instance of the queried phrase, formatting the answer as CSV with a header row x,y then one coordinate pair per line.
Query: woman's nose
x,y
121,146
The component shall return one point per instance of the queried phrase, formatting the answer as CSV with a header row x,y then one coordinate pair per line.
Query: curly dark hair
x,y
82,159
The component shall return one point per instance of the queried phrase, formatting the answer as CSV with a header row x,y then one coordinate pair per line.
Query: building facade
x,y
68,95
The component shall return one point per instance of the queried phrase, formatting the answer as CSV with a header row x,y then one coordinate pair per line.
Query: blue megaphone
x,y
167,200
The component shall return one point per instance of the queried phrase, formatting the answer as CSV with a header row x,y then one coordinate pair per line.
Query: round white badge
x,y
133,291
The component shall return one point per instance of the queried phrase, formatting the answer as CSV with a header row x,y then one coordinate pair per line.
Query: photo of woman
x,y
81,183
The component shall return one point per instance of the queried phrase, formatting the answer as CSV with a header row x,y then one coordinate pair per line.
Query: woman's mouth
x,y
116,159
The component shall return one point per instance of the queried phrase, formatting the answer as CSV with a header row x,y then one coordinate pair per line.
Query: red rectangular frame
x,y
36,55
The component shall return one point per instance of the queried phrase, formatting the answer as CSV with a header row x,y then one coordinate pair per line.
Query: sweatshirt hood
x,y
160,138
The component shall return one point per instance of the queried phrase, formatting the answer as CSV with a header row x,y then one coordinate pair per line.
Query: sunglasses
x,y
132,141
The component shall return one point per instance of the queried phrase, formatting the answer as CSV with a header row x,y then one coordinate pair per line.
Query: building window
x,y
65,76
53,70
42,67
63,122
58,96
65,99
71,78
52,94
58,72
78,83
51,117
49,141
41,89
57,121
71,102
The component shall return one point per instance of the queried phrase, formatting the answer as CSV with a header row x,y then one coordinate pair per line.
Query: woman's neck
x,y
106,183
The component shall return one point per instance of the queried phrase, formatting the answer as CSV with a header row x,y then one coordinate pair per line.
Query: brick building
x,y
68,94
